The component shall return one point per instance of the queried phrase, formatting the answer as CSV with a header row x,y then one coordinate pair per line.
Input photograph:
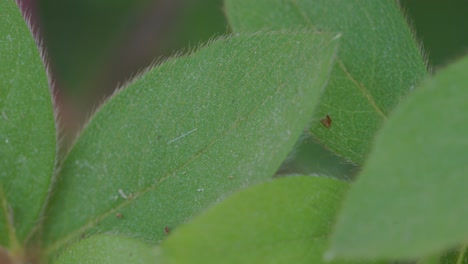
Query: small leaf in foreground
x,y
411,198
187,133
459,256
378,61
109,249
27,129
284,221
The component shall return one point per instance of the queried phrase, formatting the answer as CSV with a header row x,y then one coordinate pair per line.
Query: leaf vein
x,y
363,90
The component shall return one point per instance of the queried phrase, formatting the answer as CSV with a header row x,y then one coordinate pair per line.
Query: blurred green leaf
x,y
411,197
459,256
187,133
27,128
429,260
284,221
378,62
443,42
80,37
197,21
94,46
109,249
309,157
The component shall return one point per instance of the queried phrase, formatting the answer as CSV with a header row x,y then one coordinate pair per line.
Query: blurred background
x,y
94,46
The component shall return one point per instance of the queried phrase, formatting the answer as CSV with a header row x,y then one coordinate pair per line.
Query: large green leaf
x,y
378,62
109,249
284,221
187,133
411,197
27,128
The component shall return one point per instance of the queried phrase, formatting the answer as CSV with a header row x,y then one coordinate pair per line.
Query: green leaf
x,y
378,62
187,133
309,157
109,249
411,197
459,256
430,260
27,128
284,221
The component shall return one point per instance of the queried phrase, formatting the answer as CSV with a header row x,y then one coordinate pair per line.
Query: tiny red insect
x,y
327,122
167,230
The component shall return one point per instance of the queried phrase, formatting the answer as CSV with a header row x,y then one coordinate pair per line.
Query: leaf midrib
x,y
365,92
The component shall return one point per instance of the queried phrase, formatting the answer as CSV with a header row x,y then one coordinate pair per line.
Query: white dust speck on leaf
x,y
122,194
182,136
337,36
21,159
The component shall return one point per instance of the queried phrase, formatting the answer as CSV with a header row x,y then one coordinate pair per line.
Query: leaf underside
x,y
188,133
377,65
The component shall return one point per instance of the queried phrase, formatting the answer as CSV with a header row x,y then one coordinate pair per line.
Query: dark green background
x,y
96,45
